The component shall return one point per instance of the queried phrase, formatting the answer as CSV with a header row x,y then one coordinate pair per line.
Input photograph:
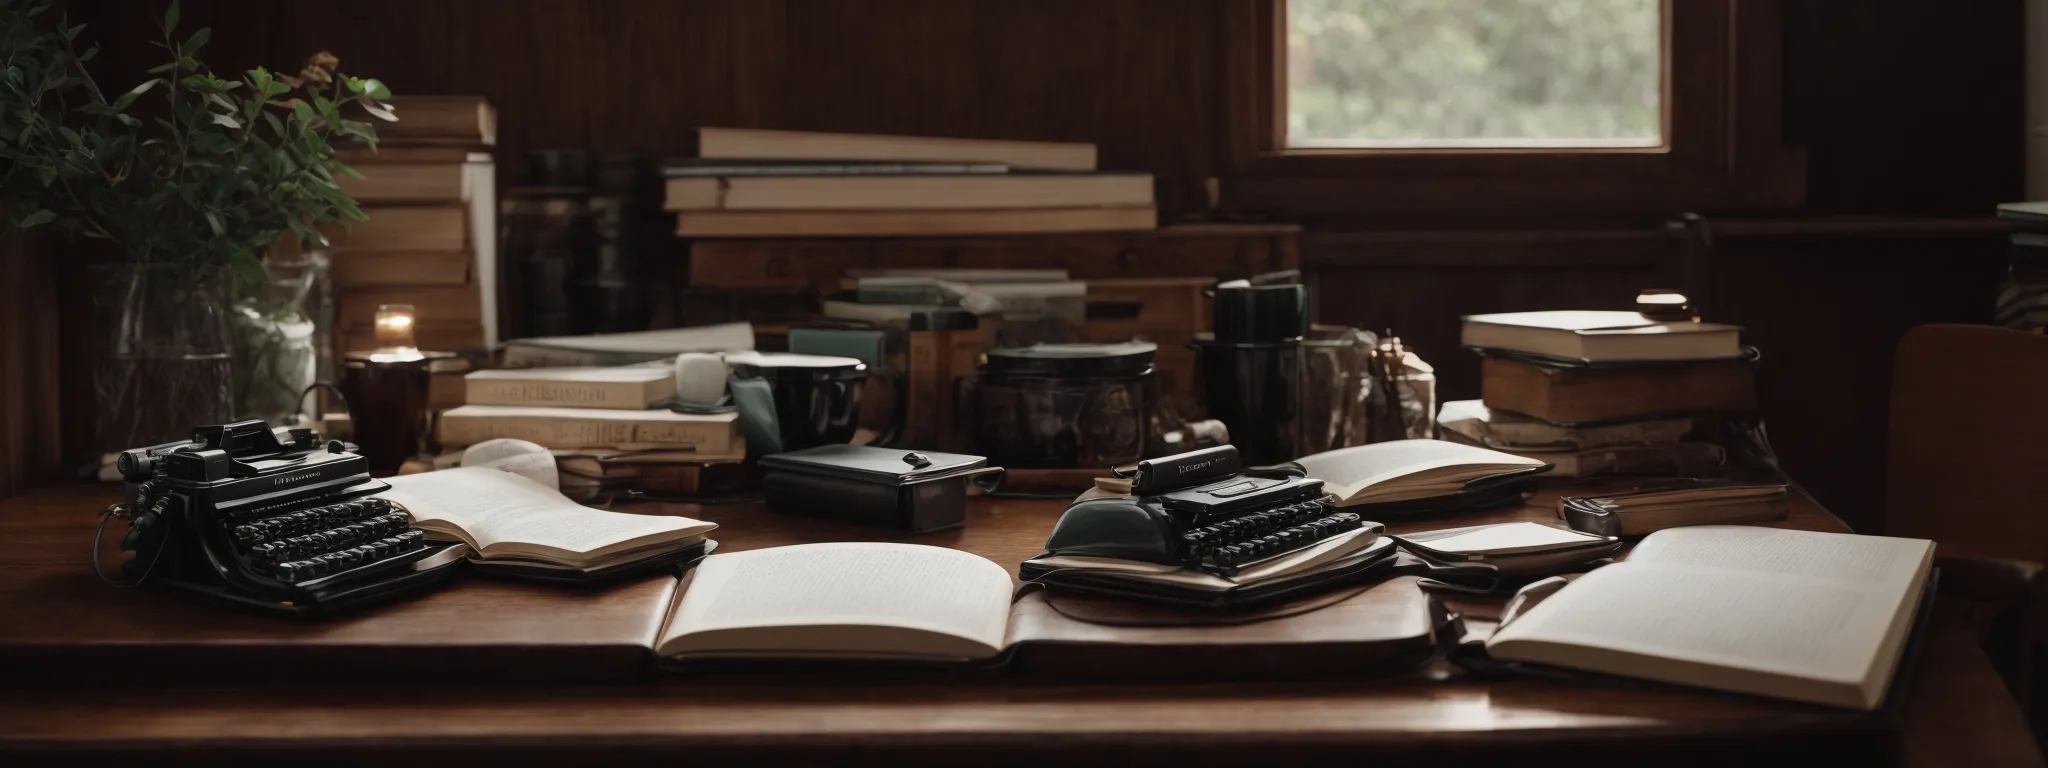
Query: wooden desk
x,y
1957,710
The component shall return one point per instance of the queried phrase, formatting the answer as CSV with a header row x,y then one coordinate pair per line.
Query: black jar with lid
x,y
1251,369
1064,405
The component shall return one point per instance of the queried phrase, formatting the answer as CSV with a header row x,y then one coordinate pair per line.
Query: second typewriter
x,y
271,518
1200,528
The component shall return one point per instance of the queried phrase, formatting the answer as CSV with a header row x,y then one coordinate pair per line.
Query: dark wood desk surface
x,y
1957,712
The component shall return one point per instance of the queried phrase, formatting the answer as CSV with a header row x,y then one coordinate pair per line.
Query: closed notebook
x,y
1815,617
1509,547
1596,337
1509,431
623,387
1407,470
1651,506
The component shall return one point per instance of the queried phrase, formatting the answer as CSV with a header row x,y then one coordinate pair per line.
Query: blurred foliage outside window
x,y
1477,73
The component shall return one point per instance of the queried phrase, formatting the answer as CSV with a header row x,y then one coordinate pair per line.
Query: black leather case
x,y
915,491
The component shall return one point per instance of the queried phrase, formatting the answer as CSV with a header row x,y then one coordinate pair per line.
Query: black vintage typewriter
x,y
270,518
1202,510
1233,537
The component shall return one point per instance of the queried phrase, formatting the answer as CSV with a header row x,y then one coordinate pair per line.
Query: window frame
x,y
1723,149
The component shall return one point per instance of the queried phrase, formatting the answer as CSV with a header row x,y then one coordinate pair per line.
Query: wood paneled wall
x,y
31,442
1906,109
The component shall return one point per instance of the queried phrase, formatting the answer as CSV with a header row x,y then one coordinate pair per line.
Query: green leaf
x,y
171,16
47,174
129,121
376,89
213,220
43,216
197,39
163,68
128,98
72,33
355,84
220,119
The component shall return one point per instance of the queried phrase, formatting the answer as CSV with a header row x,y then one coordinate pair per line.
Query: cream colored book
x,y
506,517
1601,336
591,427
1404,470
405,228
902,193
1014,221
625,387
404,182
1509,431
905,601
1816,617
765,144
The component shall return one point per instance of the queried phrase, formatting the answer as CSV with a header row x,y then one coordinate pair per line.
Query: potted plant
x,y
193,178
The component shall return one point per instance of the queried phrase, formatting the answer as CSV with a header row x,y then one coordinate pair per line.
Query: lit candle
x,y
394,326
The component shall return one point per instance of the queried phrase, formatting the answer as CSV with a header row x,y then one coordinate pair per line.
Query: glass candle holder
x,y
386,390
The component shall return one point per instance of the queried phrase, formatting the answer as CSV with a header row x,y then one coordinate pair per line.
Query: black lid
x,y
945,319
1064,361
869,464
1244,312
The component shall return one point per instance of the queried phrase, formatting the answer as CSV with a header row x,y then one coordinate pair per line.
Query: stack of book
x,y
2023,299
766,183
608,428
429,191
1609,394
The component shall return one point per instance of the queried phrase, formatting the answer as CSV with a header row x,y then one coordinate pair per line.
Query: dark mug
x,y
814,399
387,407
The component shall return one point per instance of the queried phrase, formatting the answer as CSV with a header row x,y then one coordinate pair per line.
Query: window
x,y
1474,73
1427,113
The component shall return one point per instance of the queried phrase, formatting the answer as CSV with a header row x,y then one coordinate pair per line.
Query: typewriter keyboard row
x,y
1224,547
322,541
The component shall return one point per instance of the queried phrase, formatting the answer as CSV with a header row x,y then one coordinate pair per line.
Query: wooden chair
x,y
1968,468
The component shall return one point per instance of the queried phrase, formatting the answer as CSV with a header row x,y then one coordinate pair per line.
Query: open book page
x,y
1794,614
1369,472
1882,563
1505,538
843,599
499,513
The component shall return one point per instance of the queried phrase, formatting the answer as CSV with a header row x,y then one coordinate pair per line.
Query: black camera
x,y
271,518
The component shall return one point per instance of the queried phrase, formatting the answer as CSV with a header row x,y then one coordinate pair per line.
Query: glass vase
x,y
173,361
281,331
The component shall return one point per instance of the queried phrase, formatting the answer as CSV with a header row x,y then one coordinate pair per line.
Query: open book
x,y
506,518
1404,470
857,600
1817,617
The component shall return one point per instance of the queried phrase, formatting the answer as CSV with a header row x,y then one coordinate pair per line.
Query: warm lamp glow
x,y
394,334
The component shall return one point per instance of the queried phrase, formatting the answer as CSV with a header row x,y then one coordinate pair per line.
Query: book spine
x,y
519,356
562,432
573,394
